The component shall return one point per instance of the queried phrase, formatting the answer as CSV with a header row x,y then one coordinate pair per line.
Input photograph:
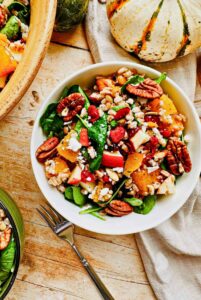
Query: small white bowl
x,y
165,207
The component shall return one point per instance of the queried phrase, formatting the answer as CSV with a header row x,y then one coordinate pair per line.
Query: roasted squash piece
x,y
3,82
165,103
60,166
133,162
8,64
64,151
142,179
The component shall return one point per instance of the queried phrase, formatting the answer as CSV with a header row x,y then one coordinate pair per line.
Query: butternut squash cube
x,y
165,103
60,166
142,179
63,151
133,162
8,64
3,82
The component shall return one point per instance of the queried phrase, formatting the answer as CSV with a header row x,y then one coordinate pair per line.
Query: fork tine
x,y
50,215
57,215
46,219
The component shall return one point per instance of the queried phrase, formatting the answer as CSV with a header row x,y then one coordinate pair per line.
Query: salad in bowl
x,y
116,146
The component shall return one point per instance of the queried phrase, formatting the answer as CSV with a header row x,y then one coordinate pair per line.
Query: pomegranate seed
x,y
87,176
106,178
122,113
117,134
166,133
93,113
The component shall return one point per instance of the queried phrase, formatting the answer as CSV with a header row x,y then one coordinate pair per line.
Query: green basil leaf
x,y
148,204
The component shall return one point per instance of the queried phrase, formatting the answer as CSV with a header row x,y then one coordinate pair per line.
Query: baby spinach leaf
x,y
78,197
12,28
148,204
116,108
8,256
68,194
21,11
113,123
133,201
163,165
161,78
64,94
98,133
136,79
51,122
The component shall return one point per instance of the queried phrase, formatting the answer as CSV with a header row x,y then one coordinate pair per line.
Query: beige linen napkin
x,y
171,252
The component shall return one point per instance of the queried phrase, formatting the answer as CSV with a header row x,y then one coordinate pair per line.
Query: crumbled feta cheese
x,y
136,109
92,152
118,170
130,101
73,144
187,138
152,169
161,140
117,99
104,191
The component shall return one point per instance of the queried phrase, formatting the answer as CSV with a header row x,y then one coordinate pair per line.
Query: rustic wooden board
x,y
50,269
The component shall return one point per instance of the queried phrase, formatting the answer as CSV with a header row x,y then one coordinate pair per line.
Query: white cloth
x,y
171,252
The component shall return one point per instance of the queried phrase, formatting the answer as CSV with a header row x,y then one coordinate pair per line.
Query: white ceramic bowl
x,y
165,207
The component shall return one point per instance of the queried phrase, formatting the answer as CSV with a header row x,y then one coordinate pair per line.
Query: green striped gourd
x,y
156,30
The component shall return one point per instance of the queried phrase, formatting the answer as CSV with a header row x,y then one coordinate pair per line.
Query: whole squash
x,y
156,30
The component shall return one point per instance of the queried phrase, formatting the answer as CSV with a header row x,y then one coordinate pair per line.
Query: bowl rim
x,y
146,70
14,90
18,250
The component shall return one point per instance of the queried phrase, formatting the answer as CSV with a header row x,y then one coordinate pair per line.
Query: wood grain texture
x,y
41,26
50,269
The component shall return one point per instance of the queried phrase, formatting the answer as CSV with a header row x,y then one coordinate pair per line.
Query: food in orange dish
x,y
117,147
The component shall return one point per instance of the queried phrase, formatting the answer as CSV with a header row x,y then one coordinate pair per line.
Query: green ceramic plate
x,y
15,217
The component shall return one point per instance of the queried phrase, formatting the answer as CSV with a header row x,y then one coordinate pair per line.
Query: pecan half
x,y
118,208
74,103
47,149
178,158
147,89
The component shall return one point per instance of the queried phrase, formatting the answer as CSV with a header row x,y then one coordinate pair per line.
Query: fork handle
x,y
96,279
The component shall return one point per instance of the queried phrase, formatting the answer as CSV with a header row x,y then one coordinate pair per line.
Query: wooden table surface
x,y
50,269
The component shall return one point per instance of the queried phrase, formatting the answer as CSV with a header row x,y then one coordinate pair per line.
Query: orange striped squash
x,y
156,30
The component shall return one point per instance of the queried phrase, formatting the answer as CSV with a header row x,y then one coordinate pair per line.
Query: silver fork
x,y
64,229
